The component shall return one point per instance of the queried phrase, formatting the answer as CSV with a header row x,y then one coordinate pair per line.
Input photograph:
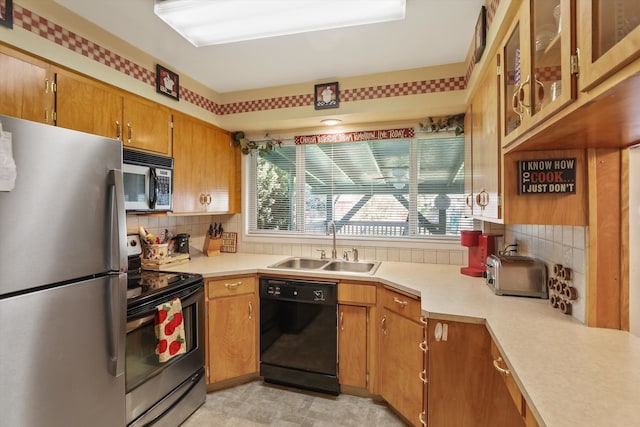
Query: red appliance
x,y
480,247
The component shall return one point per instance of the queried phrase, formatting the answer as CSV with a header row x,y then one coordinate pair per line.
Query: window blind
x,y
405,188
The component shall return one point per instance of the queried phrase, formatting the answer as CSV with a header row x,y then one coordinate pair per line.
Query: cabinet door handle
x,y
250,311
423,320
342,320
208,199
423,376
129,133
515,102
423,346
118,130
232,285
403,304
468,200
540,89
521,94
422,420
482,198
383,324
496,364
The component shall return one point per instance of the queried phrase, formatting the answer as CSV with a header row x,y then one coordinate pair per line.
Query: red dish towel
x,y
169,327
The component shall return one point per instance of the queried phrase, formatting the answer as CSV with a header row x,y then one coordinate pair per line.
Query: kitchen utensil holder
x,y
156,251
211,245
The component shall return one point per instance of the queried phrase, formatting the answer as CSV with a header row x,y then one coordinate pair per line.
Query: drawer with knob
x,y
403,304
231,286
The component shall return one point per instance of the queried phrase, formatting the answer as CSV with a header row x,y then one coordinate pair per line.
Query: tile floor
x,y
260,404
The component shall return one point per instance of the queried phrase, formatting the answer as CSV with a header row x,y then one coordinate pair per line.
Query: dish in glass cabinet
x,y
545,34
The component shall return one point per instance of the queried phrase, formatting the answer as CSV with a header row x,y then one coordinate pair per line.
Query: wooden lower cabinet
x,y
464,388
356,339
518,399
401,364
232,328
352,345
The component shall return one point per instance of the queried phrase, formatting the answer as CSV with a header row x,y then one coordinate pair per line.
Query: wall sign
x,y
547,176
326,96
167,82
480,37
6,13
367,135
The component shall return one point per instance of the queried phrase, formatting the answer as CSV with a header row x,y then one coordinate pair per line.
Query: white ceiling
x,y
434,32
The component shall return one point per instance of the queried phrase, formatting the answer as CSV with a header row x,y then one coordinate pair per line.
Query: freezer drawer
x,y
59,352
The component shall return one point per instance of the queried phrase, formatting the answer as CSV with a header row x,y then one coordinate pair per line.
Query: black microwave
x,y
148,181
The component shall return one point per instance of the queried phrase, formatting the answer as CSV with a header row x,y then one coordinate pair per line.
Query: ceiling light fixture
x,y
330,122
211,22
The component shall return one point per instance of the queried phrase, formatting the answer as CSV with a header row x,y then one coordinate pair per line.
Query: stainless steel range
x,y
162,393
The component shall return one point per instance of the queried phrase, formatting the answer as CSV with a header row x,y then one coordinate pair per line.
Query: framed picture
x,y
326,96
481,33
6,13
167,82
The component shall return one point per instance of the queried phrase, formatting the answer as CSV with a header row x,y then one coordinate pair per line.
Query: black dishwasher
x,y
298,333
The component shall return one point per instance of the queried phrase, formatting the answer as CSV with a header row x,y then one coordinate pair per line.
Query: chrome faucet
x,y
332,225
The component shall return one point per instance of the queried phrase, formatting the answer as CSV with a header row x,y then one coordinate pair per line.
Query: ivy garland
x,y
248,147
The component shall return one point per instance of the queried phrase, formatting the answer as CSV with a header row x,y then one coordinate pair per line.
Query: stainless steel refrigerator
x,y
62,280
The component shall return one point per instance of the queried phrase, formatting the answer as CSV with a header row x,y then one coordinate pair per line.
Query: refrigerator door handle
x,y
117,324
117,215
118,285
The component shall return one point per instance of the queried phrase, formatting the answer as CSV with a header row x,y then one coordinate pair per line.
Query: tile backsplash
x,y
196,227
551,243
555,244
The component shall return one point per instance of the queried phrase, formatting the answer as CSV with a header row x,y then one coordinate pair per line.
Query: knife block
x,y
211,246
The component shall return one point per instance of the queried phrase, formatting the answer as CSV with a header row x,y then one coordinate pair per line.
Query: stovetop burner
x,y
150,281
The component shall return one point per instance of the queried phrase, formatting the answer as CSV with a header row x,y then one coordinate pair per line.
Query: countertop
x,y
573,375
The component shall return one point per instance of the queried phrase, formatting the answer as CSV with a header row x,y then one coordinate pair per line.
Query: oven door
x,y
148,381
137,181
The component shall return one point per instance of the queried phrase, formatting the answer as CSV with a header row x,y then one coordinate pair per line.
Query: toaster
x,y
517,275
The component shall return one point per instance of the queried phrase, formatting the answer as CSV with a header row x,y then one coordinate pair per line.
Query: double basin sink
x,y
336,265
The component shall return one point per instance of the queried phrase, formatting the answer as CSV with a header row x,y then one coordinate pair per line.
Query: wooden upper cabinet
x,y
538,79
206,168
468,164
485,158
184,176
25,87
608,36
147,125
86,105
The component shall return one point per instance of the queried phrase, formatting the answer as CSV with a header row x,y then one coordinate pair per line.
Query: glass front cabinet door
x,y
609,38
538,66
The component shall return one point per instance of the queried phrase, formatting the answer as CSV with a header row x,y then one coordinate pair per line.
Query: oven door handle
x,y
190,298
